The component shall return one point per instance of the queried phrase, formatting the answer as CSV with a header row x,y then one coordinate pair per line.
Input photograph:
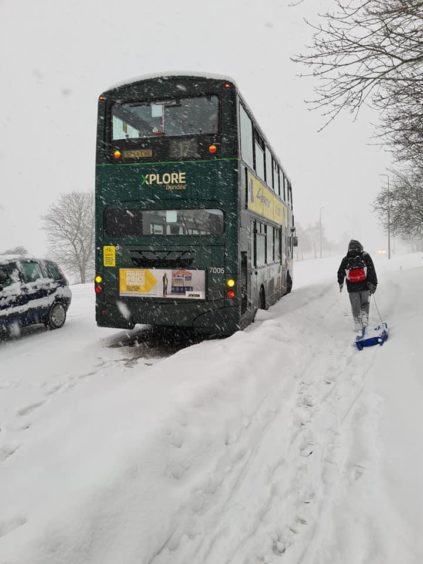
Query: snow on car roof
x,y
4,259
170,74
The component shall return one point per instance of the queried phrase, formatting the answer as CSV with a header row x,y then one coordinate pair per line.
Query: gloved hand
x,y
340,287
371,287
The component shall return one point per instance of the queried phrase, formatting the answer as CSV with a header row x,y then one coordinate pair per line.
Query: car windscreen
x,y
9,274
31,270
168,118
125,222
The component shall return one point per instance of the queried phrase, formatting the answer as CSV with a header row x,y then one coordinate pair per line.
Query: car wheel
x,y
56,316
14,329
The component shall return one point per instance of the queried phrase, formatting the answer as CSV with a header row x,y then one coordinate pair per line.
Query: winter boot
x,y
364,319
358,327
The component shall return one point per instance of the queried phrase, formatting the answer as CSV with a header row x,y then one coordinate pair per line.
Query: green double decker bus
x,y
194,215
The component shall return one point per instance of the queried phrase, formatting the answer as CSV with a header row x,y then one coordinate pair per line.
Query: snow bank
x,y
281,440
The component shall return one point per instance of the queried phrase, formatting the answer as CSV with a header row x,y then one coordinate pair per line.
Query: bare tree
x,y
372,51
19,250
309,242
400,206
304,242
70,232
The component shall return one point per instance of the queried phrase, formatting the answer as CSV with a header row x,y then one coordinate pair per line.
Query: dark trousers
x,y
360,307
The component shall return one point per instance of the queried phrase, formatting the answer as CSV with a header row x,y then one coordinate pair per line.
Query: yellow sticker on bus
x,y
136,281
109,255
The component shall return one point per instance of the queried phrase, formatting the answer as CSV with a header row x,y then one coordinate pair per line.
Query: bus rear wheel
x,y
288,283
262,299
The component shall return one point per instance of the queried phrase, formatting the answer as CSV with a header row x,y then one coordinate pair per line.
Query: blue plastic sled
x,y
372,336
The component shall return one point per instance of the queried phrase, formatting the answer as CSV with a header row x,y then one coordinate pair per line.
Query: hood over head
x,y
355,245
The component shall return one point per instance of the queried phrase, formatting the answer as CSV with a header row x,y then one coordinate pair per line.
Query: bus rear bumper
x,y
109,315
215,318
218,322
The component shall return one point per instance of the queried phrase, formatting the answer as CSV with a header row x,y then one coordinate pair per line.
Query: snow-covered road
x,y
281,443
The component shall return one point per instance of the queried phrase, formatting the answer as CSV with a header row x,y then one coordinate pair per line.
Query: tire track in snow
x,y
339,459
316,439
292,498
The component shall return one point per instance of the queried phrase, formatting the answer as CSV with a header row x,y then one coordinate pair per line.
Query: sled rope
x,y
377,309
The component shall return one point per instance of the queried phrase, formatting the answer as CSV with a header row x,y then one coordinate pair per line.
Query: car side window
x,y
53,270
31,271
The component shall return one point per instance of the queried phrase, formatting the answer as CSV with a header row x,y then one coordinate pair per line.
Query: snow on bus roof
x,y
170,74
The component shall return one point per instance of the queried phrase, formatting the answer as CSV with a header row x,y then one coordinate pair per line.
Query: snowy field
x,y
279,444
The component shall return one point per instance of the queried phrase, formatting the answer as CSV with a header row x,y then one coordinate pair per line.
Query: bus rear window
x,y
169,118
135,222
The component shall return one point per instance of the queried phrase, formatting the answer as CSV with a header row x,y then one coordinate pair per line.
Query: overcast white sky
x,y
58,55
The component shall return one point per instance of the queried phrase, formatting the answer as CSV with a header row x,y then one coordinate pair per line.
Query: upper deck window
x,y
259,148
169,118
246,129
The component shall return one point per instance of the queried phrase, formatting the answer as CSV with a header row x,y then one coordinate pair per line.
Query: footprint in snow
x,y
30,408
355,472
7,451
10,525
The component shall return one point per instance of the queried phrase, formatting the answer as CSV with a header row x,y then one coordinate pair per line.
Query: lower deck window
x,y
265,244
125,222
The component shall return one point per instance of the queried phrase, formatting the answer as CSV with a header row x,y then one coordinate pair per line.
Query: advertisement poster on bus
x,y
263,201
162,283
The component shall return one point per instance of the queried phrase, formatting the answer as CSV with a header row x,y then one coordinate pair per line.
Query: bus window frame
x,y
269,167
260,142
164,233
242,108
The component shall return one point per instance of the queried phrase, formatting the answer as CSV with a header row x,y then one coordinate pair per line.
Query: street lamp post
x,y
389,217
320,230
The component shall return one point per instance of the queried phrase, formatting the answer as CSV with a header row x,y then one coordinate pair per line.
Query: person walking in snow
x,y
358,269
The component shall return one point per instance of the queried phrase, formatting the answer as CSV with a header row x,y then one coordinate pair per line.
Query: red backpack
x,y
356,270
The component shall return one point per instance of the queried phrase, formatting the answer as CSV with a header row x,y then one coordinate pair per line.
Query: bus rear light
x,y
230,283
98,279
227,85
98,289
117,155
230,294
212,149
